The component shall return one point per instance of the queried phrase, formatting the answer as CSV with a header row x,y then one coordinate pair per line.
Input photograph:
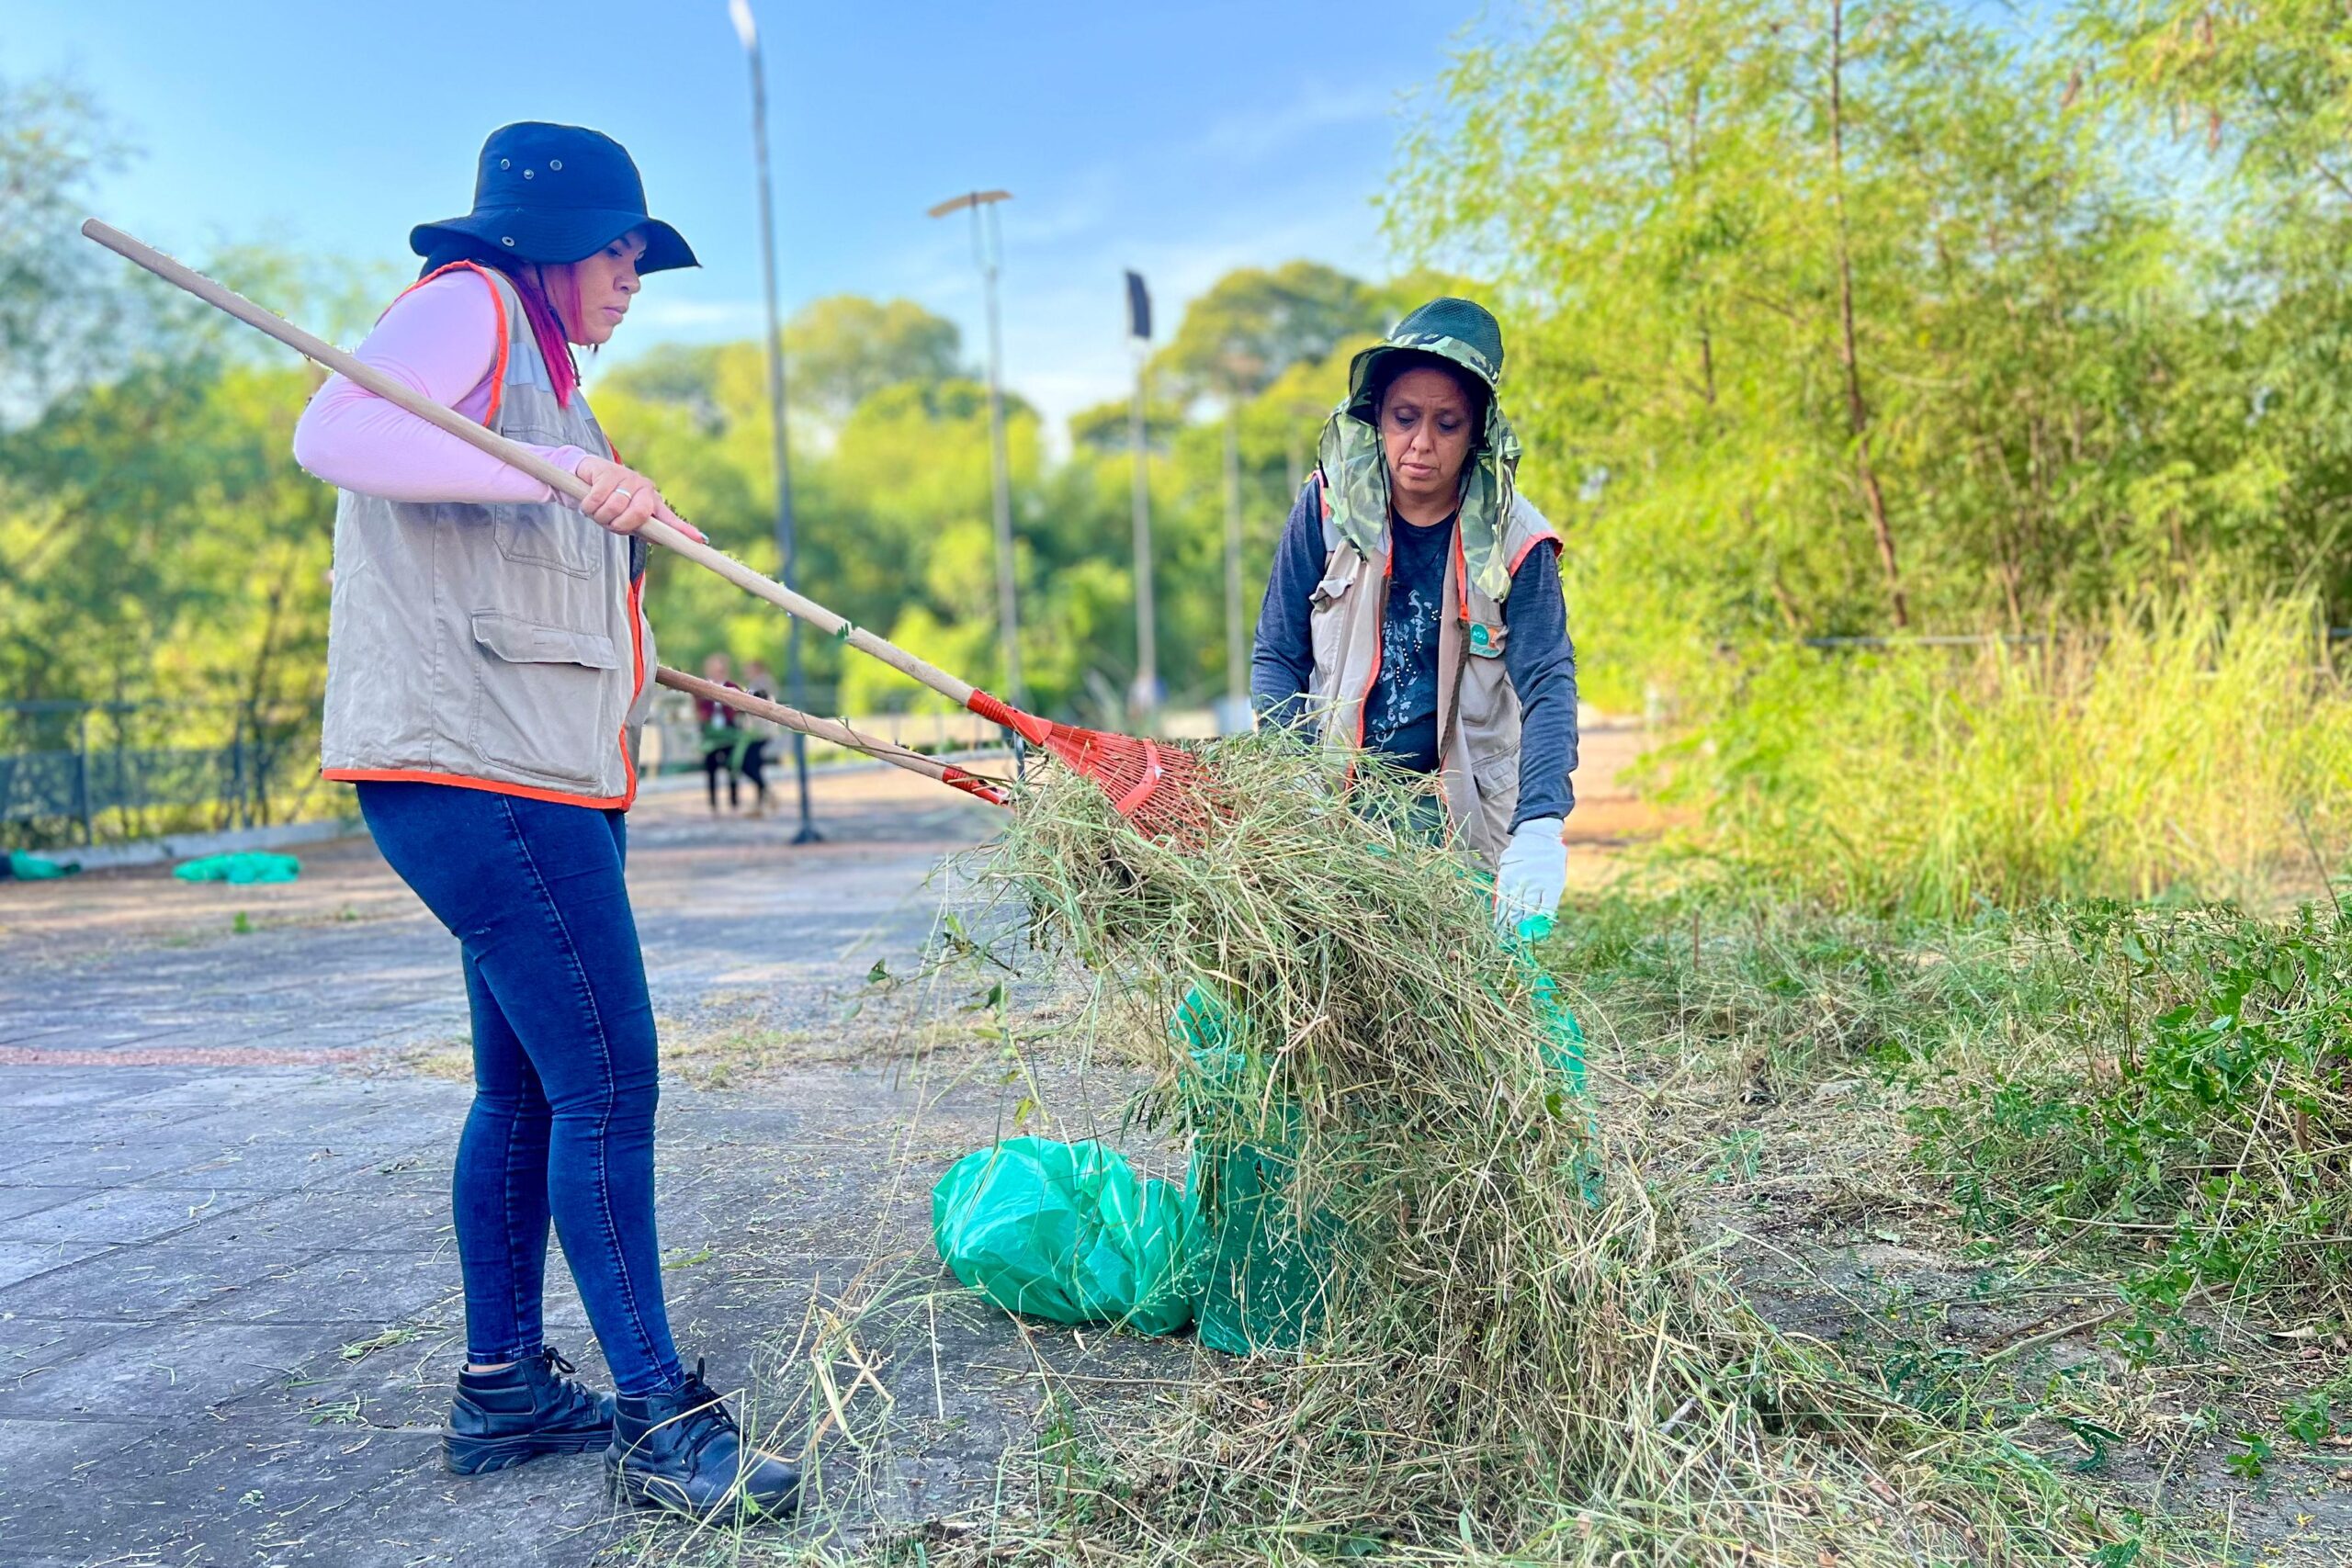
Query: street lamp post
x,y
1146,697
1236,635
787,542
988,247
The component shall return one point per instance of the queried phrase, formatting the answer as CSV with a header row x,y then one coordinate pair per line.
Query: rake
x,y
839,733
1164,789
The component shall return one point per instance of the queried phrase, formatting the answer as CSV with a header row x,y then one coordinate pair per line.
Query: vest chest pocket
x,y
1486,693
539,696
1327,625
547,532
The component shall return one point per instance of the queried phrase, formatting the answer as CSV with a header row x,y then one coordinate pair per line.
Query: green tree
x,y
842,349
1253,323
54,292
1823,318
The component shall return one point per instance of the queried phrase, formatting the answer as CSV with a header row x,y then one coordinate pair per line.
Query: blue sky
x,y
1178,139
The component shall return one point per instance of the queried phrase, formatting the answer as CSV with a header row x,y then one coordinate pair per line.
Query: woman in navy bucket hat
x,y
488,664
555,193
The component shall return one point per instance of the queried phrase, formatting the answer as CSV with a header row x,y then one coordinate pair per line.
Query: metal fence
x,y
76,772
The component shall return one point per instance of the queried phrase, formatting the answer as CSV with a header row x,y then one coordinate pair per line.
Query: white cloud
x,y
1254,136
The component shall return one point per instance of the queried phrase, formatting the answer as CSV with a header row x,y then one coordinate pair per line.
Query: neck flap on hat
x,y
1355,479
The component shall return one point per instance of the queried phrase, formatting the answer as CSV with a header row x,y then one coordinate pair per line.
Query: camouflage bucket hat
x,y
1460,331
1355,468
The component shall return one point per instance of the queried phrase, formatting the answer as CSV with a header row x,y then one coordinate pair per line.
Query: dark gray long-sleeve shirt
x,y
1400,713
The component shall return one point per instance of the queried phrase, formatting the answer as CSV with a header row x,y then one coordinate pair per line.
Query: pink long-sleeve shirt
x,y
442,339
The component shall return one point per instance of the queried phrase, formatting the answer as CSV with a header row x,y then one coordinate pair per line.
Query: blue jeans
x,y
564,1065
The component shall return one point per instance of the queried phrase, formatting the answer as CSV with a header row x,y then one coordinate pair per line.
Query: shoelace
x,y
559,1370
706,1416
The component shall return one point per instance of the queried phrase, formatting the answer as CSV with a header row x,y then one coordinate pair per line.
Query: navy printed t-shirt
x,y
1400,713
1400,716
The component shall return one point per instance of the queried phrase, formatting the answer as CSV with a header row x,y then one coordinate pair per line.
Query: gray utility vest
x,y
1478,710
500,648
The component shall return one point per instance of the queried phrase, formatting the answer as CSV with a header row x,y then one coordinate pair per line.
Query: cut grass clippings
x,y
1505,1370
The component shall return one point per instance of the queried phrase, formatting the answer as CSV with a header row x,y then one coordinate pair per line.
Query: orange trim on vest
x,y
1547,535
490,786
637,686
1379,637
498,304
1460,572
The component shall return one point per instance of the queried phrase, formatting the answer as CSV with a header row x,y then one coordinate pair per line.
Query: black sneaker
x,y
531,1409
683,1451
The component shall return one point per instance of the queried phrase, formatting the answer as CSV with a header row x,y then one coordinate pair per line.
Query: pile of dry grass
x,y
1506,1371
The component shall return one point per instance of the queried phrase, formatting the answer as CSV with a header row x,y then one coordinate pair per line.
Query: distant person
x,y
722,735
757,733
487,664
1415,607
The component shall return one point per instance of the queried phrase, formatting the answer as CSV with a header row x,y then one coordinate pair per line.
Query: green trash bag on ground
x,y
1067,1232
1263,1268
240,868
38,868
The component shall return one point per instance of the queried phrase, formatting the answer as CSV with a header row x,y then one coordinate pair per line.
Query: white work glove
x,y
1533,875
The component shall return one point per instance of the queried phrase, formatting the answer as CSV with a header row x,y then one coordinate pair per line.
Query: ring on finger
x,y
621,495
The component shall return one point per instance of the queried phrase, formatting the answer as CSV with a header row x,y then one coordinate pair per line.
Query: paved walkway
x,y
230,1316
229,1308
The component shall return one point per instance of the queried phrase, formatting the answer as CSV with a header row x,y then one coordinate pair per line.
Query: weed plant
x,y
1507,1370
2191,745
2167,1088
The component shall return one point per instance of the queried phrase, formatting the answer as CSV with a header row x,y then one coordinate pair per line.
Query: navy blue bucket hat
x,y
553,193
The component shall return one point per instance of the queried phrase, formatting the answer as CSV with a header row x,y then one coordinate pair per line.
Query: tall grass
x,y
2164,1093
2194,745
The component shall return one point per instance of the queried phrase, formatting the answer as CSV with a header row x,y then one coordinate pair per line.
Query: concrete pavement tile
x,y
379,1287
152,1280
39,1030
30,1348
167,1370
56,1449
285,1166
218,1494
16,1200
386,1505
209,1092
113,1161
334,1217
126,1213
19,1147
29,1261
52,1088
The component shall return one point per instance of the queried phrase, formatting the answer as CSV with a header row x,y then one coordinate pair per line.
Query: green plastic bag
x,y
238,868
1067,1233
1263,1268
37,868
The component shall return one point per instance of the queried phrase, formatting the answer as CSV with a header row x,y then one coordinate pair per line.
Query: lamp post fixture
x,y
787,542
1144,699
986,248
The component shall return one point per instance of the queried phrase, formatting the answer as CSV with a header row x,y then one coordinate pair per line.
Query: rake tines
x,y
1164,790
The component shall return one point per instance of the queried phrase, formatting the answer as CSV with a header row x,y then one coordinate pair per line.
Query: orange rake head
x,y
1164,789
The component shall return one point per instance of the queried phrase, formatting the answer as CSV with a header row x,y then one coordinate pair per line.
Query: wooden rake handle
x,y
839,733
515,455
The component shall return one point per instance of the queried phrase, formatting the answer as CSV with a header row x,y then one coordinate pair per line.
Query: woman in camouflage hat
x,y
1415,609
